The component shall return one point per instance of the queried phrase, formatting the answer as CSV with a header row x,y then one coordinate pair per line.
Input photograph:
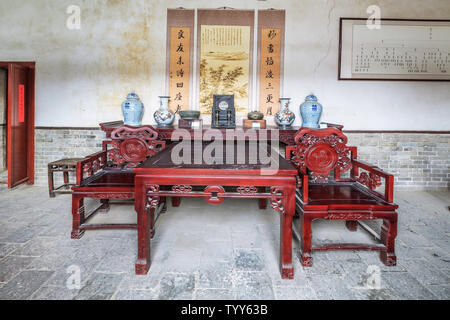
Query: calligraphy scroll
x,y
180,42
179,68
270,55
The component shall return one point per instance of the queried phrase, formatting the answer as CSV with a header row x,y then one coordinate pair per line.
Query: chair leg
x,y
306,241
176,201
388,234
77,216
351,225
104,208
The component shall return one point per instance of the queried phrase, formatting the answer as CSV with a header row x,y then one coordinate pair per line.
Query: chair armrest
x,y
372,179
90,165
333,125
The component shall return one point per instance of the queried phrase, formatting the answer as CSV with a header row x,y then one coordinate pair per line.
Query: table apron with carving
x,y
152,184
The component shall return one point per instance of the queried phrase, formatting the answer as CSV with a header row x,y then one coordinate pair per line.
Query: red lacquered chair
x,y
322,157
108,175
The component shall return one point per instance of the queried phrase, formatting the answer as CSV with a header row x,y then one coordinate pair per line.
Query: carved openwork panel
x,y
93,165
131,145
276,200
152,202
127,132
370,180
182,188
247,190
350,216
320,151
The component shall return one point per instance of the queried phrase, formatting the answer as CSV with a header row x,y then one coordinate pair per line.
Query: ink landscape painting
x,y
224,65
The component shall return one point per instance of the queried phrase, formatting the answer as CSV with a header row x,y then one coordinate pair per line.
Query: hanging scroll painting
x,y
179,68
269,76
224,65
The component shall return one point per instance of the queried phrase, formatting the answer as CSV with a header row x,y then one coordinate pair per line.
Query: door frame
x,y
30,96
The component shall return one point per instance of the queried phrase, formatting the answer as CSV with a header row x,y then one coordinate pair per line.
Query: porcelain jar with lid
x,y
132,109
284,117
163,116
311,110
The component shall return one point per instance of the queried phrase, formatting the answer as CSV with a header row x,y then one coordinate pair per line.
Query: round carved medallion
x,y
321,158
133,150
216,193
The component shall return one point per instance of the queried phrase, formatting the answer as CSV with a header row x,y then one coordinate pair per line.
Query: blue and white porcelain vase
x,y
284,117
311,110
163,116
132,109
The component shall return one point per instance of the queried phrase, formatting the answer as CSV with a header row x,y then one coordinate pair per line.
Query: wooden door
x,y
20,124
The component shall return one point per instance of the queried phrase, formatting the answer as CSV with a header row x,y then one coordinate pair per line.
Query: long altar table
x,y
230,176
285,135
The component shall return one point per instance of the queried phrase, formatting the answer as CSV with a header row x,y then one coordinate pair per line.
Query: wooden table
x,y
159,177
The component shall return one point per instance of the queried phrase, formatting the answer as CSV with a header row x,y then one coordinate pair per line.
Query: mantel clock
x,y
223,113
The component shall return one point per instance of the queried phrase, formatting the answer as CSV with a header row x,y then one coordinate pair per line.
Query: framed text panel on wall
x,y
270,59
225,56
398,49
180,44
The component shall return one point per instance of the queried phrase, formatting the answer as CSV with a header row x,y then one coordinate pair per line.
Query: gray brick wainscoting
x,y
56,143
419,161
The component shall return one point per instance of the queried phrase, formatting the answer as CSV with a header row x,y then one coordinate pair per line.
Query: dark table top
x,y
196,155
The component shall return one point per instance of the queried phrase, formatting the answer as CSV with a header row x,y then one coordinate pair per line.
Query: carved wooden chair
x,y
322,157
108,174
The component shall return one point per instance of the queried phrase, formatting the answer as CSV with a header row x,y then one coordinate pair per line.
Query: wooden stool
x,y
65,166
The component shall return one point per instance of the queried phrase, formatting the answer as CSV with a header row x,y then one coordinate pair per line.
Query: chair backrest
x,y
131,146
319,151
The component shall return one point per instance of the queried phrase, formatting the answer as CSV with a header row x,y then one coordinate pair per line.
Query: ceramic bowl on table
x,y
189,114
255,115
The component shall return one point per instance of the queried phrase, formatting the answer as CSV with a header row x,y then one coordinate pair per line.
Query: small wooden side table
x,y
65,166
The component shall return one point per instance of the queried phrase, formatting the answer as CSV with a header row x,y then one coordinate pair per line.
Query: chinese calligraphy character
x,y
269,61
180,61
180,34
180,73
180,48
269,98
269,74
269,111
270,48
179,84
272,34
178,96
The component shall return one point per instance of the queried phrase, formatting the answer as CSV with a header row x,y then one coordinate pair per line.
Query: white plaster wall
x,y
84,75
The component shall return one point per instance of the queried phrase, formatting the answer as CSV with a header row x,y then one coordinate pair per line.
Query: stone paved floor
x,y
212,252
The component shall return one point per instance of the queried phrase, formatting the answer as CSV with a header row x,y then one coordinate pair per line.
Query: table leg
x,y
51,184
144,225
287,269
